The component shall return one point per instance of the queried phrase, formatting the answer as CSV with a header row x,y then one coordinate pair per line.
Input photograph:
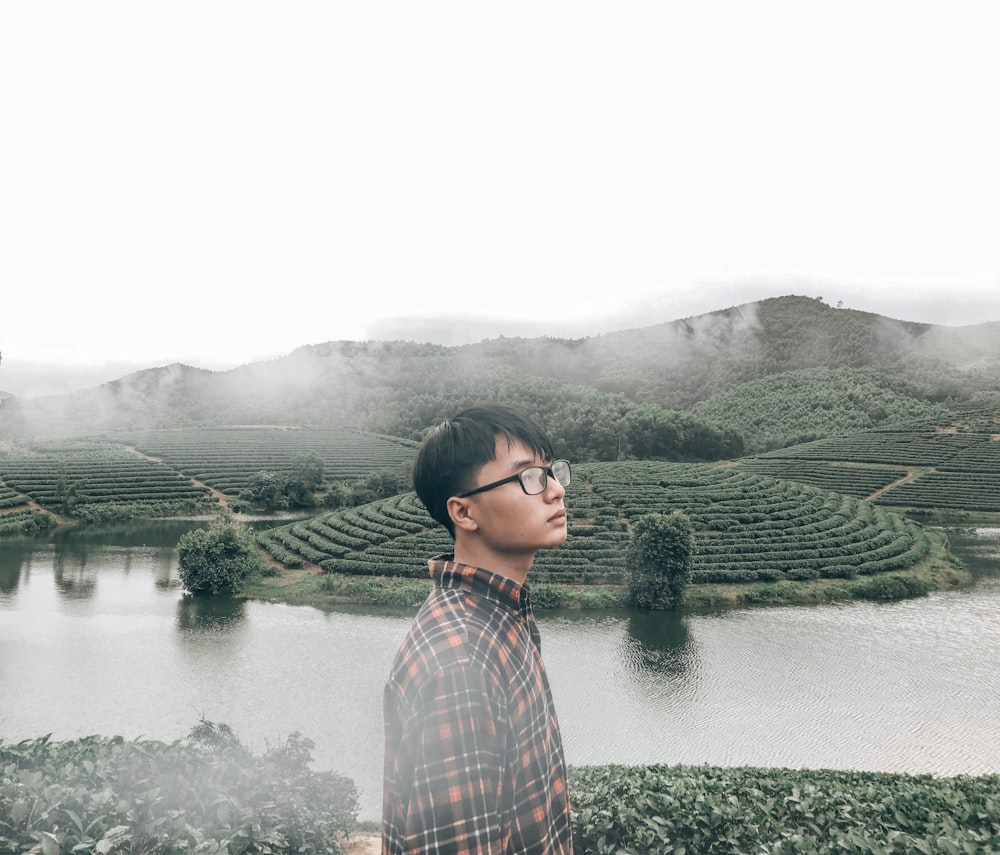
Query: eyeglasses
x,y
533,480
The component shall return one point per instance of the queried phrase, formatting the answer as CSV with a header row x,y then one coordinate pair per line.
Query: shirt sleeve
x,y
451,764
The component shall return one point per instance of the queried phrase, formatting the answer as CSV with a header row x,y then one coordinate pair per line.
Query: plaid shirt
x,y
473,756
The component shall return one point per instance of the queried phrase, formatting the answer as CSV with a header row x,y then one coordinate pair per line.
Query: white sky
x,y
218,182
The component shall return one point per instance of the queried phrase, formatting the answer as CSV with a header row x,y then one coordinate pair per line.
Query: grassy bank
x,y
310,586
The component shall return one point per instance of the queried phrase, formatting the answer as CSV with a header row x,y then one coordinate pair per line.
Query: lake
x,y
96,636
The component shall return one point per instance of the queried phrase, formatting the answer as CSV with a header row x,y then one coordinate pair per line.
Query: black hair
x,y
453,453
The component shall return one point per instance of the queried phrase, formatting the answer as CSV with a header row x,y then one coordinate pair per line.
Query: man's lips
x,y
558,516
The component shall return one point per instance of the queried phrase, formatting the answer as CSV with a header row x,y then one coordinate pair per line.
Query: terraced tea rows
x,y
952,467
852,479
225,458
748,528
112,476
10,498
967,491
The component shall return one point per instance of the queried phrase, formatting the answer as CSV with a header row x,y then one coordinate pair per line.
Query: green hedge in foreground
x,y
206,794
650,810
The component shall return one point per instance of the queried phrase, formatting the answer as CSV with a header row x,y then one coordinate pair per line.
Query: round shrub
x,y
659,559
218,559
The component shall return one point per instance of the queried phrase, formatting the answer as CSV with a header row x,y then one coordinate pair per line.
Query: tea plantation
x,y
749,528
93,482
923,465
160,473
224,458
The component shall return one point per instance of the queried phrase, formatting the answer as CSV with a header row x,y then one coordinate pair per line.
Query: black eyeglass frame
x,y
547,472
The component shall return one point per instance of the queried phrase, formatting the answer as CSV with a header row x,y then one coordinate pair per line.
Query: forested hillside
x,y
799,406
669,391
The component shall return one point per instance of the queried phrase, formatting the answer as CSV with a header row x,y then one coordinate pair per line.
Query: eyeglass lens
x,y
536,479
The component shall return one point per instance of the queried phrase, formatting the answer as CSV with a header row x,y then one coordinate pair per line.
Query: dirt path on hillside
x,y
220,497
911,475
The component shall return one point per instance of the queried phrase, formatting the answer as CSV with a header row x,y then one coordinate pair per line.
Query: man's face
x,y
511,522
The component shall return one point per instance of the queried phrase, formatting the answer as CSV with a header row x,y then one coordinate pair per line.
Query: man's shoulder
x,y
448,632
438,635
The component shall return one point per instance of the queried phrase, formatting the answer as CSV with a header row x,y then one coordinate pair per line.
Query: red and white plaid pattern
x,y
473,756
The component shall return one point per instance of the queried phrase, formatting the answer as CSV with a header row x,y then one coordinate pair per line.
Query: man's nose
x,y
553,485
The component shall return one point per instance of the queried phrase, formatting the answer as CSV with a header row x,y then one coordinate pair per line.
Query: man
x,y
473,755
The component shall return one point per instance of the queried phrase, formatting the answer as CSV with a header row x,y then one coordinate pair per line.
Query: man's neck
x,y
514,566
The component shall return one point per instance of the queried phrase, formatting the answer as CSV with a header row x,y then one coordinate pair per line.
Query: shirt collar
x,y
448,573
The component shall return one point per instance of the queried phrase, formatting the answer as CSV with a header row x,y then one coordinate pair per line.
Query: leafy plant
x,y
207,794
659,560
218,559
655,810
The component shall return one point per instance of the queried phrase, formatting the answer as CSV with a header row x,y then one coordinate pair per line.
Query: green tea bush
x,y
839,571
205,794
653,810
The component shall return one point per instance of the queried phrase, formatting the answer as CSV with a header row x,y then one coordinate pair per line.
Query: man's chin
x,y
558,539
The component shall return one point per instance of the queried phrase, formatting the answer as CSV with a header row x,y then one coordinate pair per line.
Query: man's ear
x,y
460,511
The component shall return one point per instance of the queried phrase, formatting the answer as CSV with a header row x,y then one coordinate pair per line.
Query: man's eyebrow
x,y
518,465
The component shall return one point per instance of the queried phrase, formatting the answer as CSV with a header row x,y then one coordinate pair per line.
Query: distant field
x,y
224,458
101,482
930,465
172,472
748,528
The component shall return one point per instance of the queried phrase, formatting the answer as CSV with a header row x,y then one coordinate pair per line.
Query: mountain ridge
x,y
401,386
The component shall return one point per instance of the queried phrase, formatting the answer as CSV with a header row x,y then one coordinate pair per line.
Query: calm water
x,y
96,637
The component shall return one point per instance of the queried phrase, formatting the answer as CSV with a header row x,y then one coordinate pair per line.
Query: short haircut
x,y
453,453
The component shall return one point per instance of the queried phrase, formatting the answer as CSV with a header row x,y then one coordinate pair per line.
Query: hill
x,y
748,529
679,363
630,393
797,406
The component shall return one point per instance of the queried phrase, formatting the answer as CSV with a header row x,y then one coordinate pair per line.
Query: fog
x,y
373,385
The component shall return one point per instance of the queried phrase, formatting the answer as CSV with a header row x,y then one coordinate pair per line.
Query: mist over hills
x,y
402,387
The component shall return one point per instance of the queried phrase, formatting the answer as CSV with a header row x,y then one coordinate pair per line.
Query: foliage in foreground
x,y
709,809
207,794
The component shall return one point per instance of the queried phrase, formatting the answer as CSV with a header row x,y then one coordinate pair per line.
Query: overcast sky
x,y
219,182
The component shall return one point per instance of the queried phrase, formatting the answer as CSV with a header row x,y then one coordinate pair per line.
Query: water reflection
x,y
75,582
144,533
71,550
659,641
980,549
207,613
13,557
